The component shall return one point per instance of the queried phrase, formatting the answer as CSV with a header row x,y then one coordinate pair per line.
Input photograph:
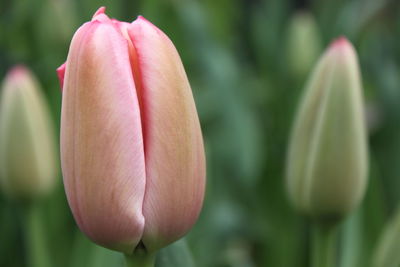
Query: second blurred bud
x,y
27,141
327,159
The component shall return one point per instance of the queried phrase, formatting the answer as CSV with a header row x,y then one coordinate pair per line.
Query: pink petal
x,y
101,138
61,74
340,42
174,153
101,10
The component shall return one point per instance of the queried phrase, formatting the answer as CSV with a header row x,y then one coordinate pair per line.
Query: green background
x,y
236,57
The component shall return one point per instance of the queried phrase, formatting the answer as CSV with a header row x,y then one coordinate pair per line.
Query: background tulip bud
x,y
303,44
327,159
27,145
131,146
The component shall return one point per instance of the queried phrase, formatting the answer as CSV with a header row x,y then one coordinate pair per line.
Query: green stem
x,y
324,245
37,254
140,260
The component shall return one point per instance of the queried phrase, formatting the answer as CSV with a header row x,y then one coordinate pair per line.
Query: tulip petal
x,y
174,153
61,74
102,149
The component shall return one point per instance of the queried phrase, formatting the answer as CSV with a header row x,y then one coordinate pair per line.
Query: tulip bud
x,y
132,152
327,157
303,44
27,145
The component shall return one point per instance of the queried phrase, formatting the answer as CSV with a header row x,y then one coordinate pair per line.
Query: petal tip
x,y
101,10
342,47
17,71
140,18
61,73
340,42
100,15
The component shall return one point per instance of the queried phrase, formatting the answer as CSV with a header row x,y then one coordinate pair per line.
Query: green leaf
x,y
386,253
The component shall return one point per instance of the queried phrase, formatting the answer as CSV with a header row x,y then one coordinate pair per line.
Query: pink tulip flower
x,y
132,151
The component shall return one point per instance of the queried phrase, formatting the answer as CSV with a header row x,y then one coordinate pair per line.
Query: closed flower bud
x,y
27,143
303,44
327,157
131,145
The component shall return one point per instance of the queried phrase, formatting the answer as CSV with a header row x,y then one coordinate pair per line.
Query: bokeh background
x,y
247,70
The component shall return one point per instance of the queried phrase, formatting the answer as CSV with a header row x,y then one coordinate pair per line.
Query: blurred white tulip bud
x,y
327,158
27,142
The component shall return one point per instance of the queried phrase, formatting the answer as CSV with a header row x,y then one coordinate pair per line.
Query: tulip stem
x,y
324,245
37,253
140,260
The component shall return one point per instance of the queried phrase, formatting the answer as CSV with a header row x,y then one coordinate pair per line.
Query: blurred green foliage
x,y
234,55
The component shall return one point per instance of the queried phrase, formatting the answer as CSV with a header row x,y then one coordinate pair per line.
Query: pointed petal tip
x,y
17,70
17,74
100,15
140,18
101,10
342,47
340,42
144,25
61,73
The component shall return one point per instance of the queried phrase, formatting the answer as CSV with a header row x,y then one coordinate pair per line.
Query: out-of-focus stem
x,y
37,254
324,245
140,260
